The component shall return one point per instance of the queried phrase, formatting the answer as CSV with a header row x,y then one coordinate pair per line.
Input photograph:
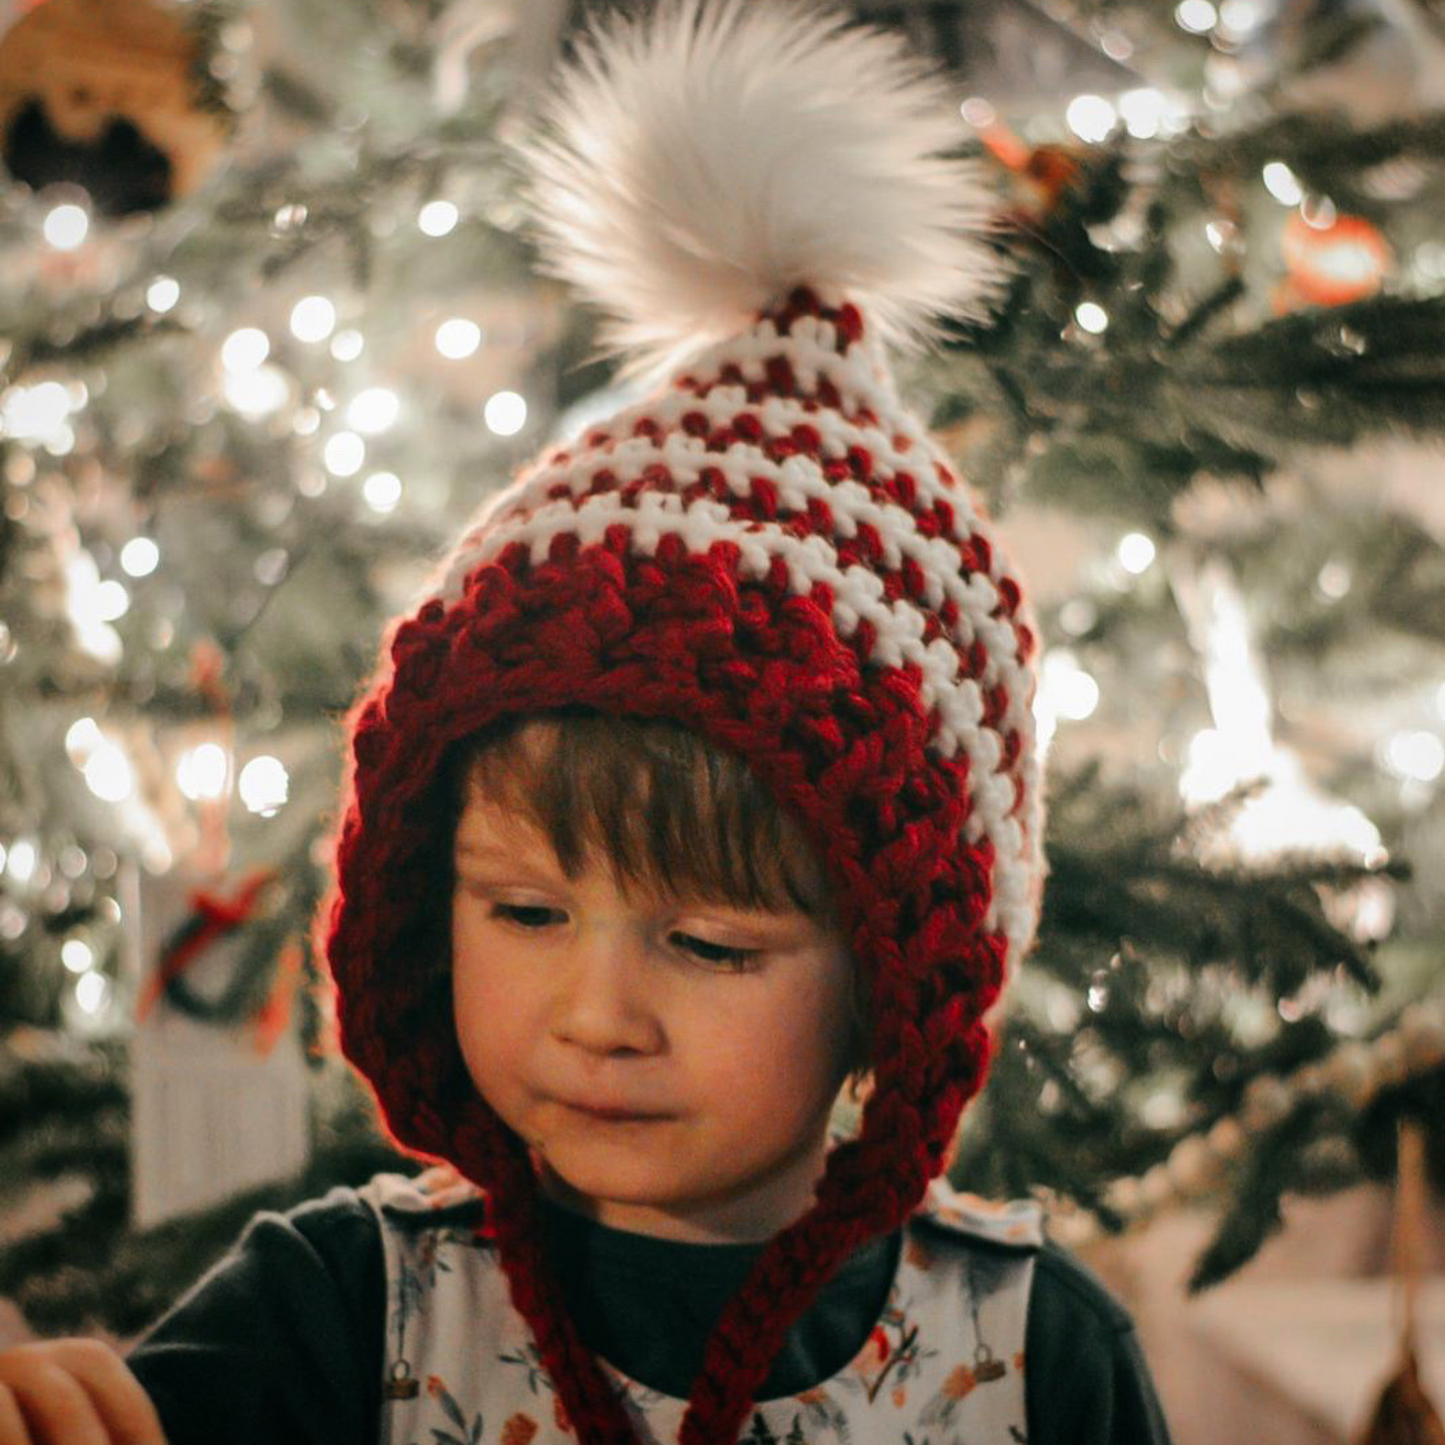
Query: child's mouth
x,y
611,1114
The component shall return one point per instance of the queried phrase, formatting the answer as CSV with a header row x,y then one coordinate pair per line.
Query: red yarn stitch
x,y
841,740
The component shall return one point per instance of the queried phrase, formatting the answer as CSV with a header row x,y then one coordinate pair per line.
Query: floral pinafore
x,y
943,1364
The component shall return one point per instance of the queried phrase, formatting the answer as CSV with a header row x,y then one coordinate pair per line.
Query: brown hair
x,y
659,805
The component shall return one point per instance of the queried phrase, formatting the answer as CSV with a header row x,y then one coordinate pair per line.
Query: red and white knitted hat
x,y
770,551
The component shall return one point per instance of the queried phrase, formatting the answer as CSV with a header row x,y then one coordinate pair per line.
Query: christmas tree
x,y
272,329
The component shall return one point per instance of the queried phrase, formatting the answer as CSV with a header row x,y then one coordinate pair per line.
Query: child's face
x,y
672,1065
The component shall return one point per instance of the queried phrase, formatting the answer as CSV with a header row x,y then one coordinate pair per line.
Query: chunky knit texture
x,y
773,553
769,551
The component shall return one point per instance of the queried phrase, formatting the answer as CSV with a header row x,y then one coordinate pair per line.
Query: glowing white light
x,y
1418,755
1240,18
108,774
264,785
77,955
92,992
1091,117
1144,111
86,604
162,294
505,413
256,393
313,318
1136,553
436,218
82,738
140,557
203,772
373,411
458,338
382,491
111,600
1198,17
1065,691
1282,184
1335,580
1211,770
23,858
347,345
1289,816
245,349
1092,317
66,226
345,452
36,413
978,112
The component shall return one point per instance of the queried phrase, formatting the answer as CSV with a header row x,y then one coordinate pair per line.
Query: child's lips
x,y
610,1113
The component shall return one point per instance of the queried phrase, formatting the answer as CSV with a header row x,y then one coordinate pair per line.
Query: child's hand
x,y
73,1392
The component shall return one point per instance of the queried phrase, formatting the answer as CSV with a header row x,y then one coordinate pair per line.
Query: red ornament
x,y
1336,264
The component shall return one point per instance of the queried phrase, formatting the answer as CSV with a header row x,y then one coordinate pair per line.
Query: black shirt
x,y
282,1340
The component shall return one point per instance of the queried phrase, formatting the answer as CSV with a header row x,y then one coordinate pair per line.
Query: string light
x,y
1415,755
1283,184
90,607
1144,111
313,318
458,338
1198,17
258,392
1091,117
66,226
39,413
20,865
264,785
204,772
437,218
140,557
347,345
108,774
162,294
505,413
373,411
77,955
245,349
1136,553
1065,691
345,454
1092,317
112,601
82,738
382,491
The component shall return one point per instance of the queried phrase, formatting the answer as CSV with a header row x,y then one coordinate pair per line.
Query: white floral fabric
x,y
943,1365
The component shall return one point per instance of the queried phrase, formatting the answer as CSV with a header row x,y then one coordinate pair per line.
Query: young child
x,y
701,792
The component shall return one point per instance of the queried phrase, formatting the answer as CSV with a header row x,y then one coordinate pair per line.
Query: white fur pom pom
x,y
695,166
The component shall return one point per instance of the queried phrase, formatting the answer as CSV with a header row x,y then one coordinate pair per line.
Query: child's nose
x,y
602,1005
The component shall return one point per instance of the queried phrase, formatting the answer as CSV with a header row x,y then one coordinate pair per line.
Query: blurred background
x,y
269,332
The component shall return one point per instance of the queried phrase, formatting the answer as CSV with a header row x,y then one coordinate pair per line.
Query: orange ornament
x,y
92,88
1334,265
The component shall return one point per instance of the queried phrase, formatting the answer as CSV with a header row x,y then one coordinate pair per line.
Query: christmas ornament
x,y
1405,1414
220,1101
1333,265
109,95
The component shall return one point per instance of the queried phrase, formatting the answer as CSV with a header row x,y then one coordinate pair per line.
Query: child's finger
x,y
54,1408
124,1407
13,1430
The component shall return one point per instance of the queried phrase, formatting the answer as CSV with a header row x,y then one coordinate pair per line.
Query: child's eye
x,y
718,955
527,915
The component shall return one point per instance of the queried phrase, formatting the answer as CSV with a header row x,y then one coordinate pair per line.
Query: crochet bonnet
x,y
769,550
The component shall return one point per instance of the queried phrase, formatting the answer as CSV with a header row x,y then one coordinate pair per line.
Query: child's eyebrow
x,y
471,851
